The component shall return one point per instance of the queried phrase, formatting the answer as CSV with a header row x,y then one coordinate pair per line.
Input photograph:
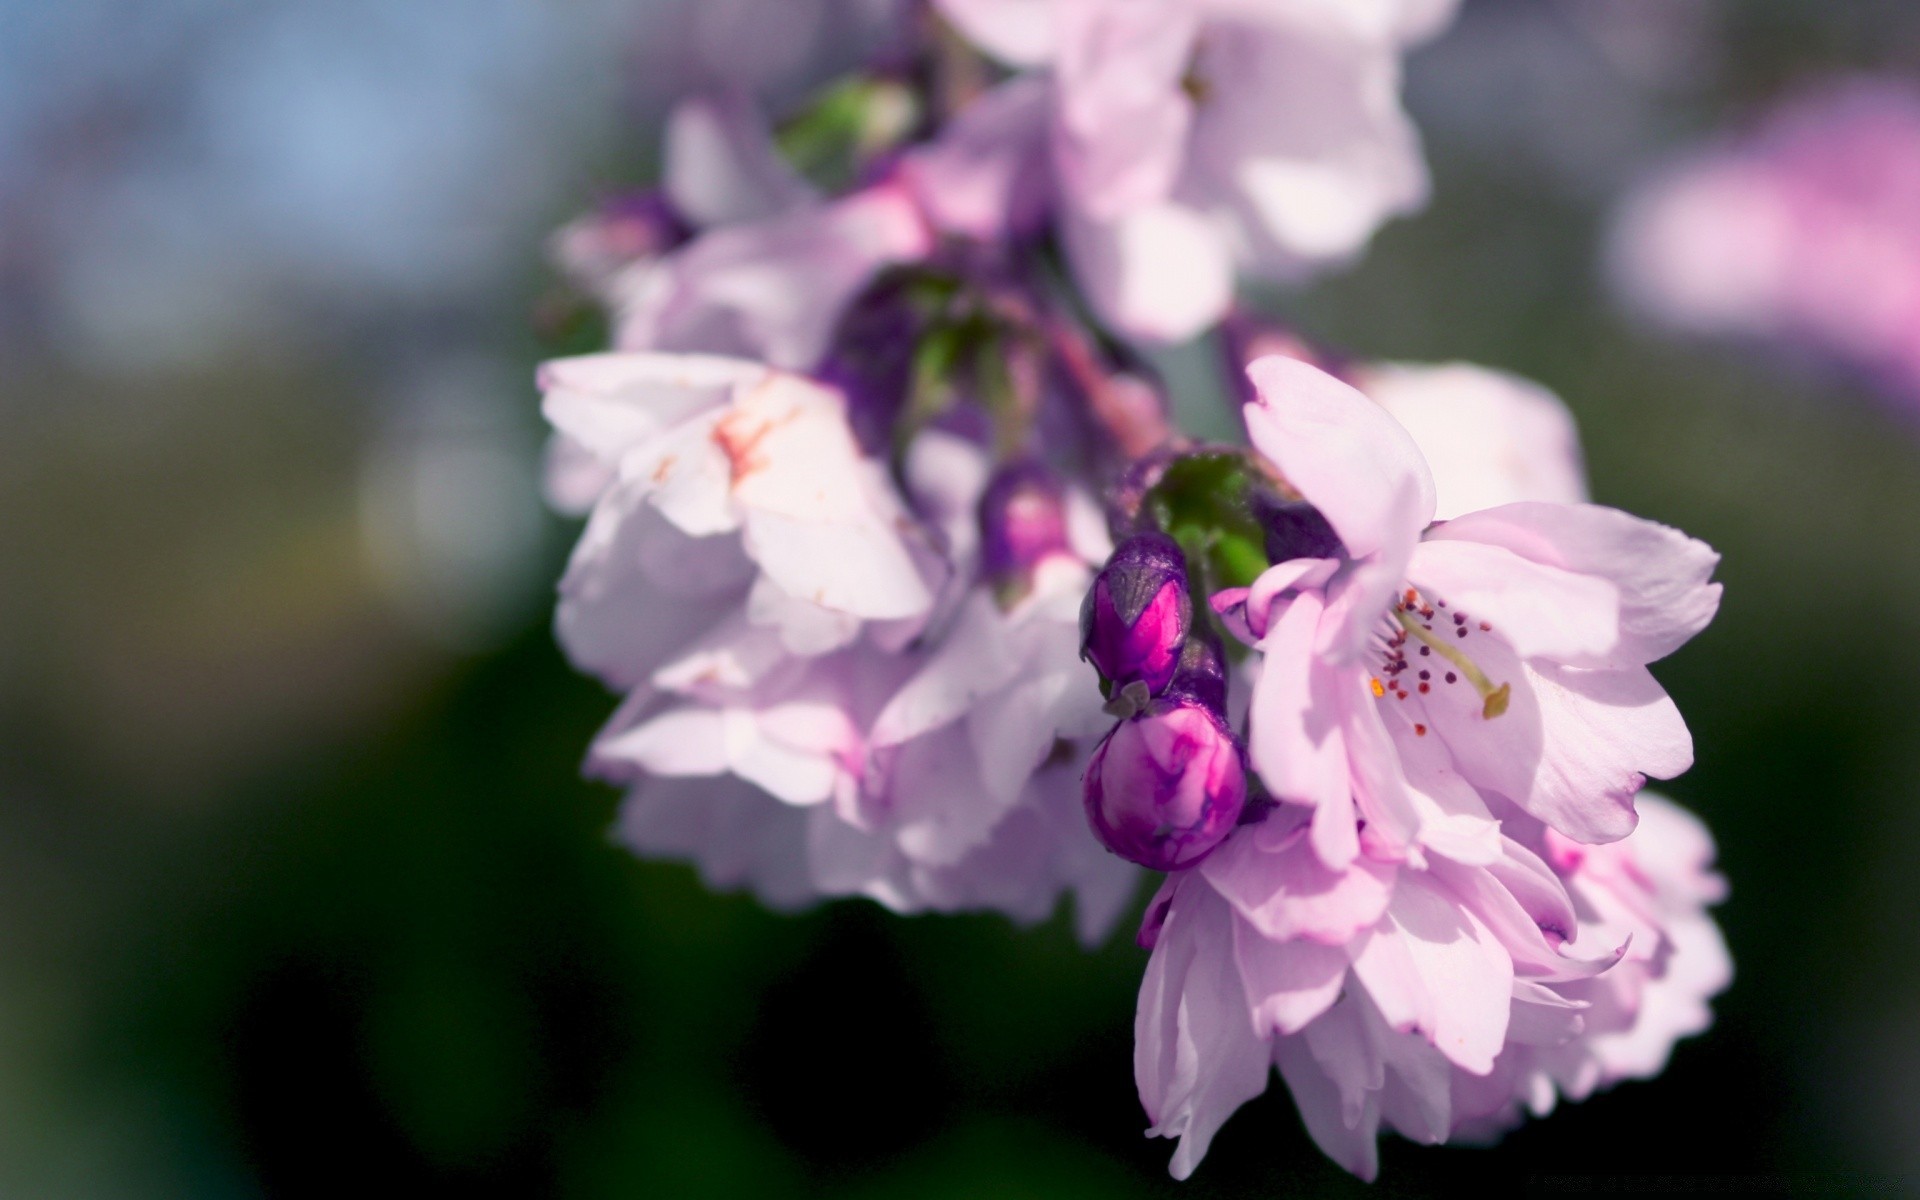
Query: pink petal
x,y
1302,144
1160,272
1288,983
1490,438
1541,611
1195,1056
1017,32
774,290
987,175
1573,746
1294,736
1289,893
1661,573
736,834
1432,966
614,618
1335,1077
1256,602
609,403
1122,115
684,741
1342,452
722,167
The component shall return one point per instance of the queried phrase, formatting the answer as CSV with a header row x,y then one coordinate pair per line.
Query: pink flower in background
x,y
1805,230
1194,140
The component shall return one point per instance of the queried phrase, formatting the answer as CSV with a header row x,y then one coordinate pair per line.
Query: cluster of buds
x,y
1169,781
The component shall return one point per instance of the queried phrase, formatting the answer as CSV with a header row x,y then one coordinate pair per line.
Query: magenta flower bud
x,y
1136,616
1023,519
1164,788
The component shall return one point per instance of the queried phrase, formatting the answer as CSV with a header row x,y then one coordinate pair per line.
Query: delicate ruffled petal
x,y
736,834
1342,452
1288,983
1295,740
1662,574
608,404
1335,1077
572,477
1195,1056
1287,892
1256,602
817,520
1572,746
774,289
610,618
1541,611
1302,149
1432,966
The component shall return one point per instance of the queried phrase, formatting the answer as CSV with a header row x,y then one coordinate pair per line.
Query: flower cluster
x,y
913,592
1447,911
1804,231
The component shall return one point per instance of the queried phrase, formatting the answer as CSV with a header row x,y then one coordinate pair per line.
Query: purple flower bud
x,y
1201,677
1136,616
1164,788
1023,519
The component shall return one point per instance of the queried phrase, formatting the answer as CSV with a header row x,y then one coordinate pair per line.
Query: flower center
x,y
1417,619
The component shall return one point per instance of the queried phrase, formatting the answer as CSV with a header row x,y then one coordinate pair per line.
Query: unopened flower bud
x,y
1135,619
1023,520
1201,677
1165,787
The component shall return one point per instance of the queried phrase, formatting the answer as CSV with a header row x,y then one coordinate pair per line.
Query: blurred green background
x,y
299,890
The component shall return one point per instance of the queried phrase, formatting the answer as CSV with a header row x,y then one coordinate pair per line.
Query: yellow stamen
x,y
1493,700
1378,690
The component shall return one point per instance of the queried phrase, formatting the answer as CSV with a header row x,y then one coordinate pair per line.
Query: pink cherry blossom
x,y
735,488
1502,652
1439,1003
1193,139
781,616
